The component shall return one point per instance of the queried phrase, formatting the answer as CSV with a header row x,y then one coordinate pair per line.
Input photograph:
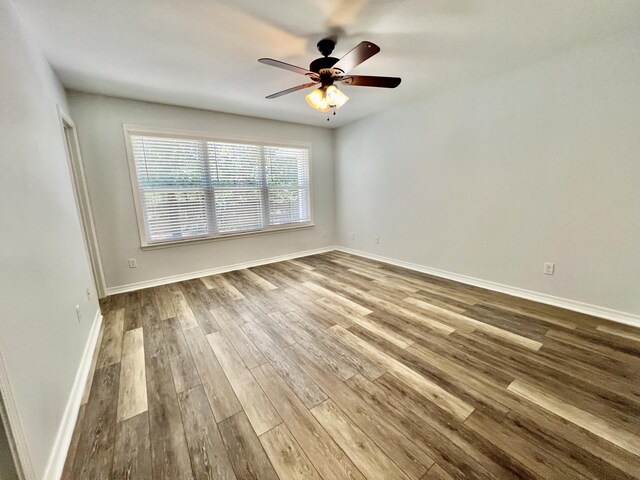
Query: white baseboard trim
x,y
65,432
576,306
581,307
214,271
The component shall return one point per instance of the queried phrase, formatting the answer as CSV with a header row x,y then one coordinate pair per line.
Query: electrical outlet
x,y
133,263
353,235
549,268
324,234
376,239
78,314
88,292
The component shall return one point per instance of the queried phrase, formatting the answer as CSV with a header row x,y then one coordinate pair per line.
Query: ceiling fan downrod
x,y
323,64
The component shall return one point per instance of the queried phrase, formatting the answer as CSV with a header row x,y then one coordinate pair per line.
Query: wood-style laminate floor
x,y
336,367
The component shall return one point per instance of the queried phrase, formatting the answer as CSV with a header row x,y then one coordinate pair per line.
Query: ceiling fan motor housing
x,y
322,63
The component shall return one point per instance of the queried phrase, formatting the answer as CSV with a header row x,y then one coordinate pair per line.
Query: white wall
x,y
44,269
492,179
99,120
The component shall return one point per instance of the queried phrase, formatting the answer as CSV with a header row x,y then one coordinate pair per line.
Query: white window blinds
x,y
191,188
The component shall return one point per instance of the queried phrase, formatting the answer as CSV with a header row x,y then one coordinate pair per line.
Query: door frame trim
x,y
83,202
10,418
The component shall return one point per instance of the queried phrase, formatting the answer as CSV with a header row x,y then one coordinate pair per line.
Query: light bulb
x,y
324,106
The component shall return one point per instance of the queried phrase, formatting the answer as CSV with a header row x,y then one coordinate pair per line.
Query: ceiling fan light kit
x,y
324,99
326,71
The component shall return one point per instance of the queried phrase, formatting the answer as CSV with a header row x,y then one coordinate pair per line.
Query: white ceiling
x,y
202,53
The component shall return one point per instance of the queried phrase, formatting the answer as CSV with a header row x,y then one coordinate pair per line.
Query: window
x,y
192,187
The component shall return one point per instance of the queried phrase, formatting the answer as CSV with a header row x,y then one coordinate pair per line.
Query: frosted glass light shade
x,y
335,98
315,98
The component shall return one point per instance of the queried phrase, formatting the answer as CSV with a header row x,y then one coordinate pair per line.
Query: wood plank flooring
x,y
336,367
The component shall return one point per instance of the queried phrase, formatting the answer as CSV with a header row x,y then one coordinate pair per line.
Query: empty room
x,y
319,240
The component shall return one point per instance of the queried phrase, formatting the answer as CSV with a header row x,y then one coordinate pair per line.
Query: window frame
x,y
139,130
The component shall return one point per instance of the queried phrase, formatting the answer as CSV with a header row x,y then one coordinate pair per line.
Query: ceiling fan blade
x,y
292,89
360,53
371,81
286,66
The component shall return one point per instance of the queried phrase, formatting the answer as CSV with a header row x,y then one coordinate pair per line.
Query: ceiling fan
x,y
326,71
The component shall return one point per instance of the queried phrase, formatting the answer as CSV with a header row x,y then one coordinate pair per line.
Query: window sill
x,y
227,236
